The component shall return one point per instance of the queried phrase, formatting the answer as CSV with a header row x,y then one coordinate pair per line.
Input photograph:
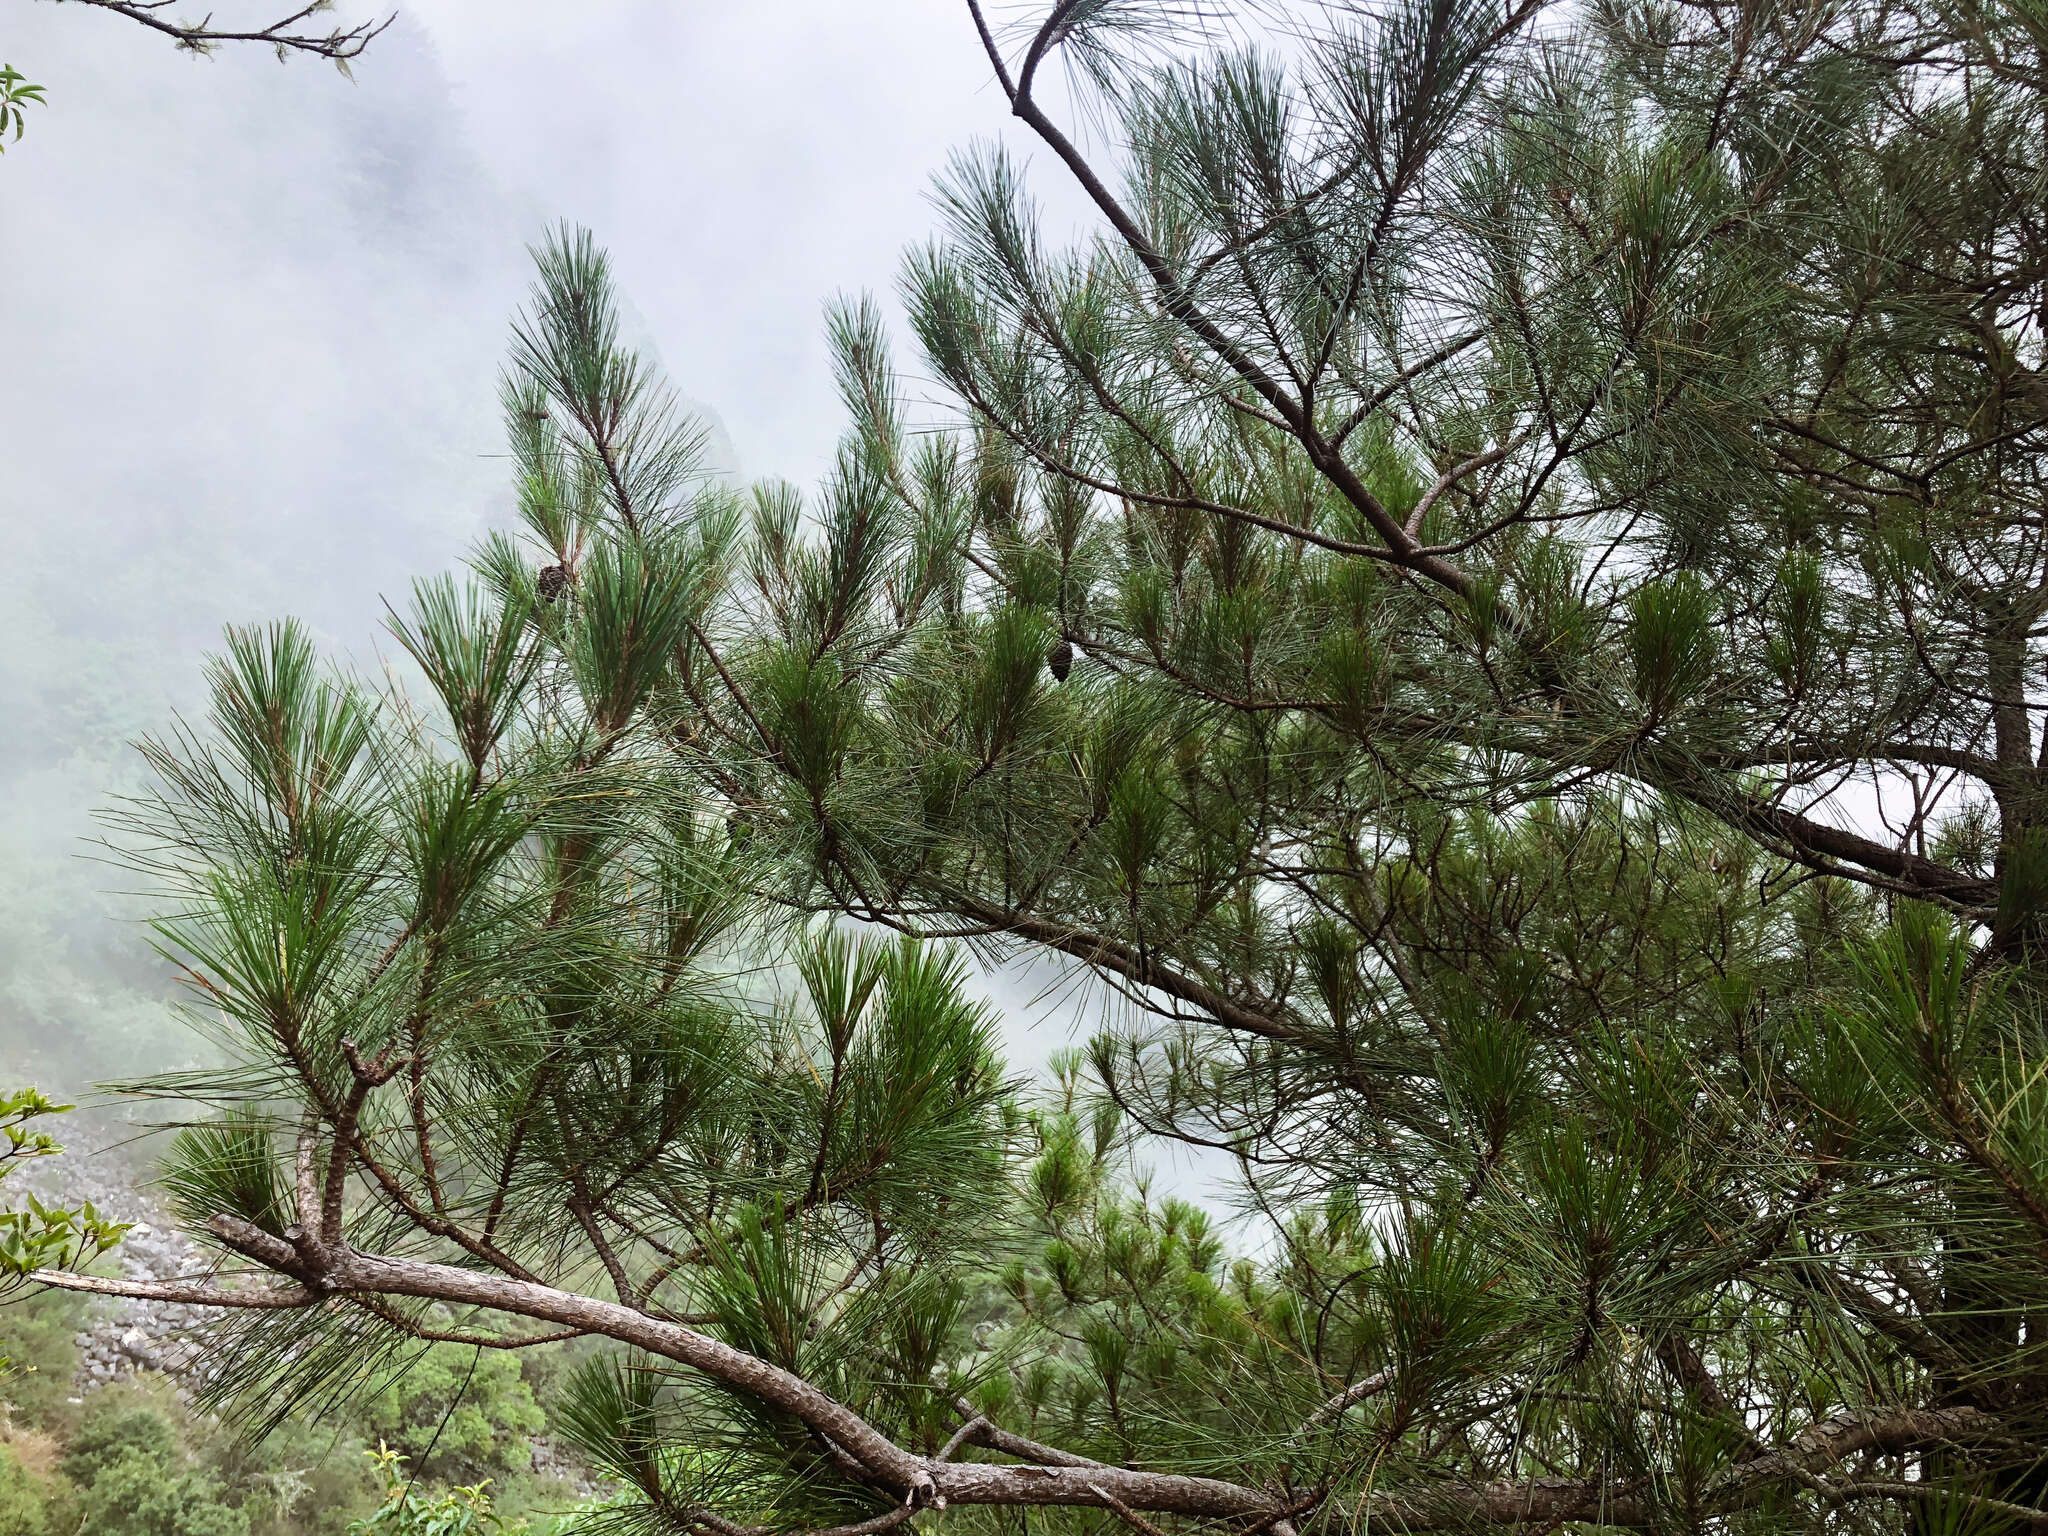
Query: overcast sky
x,y
744,162
264,294
253,316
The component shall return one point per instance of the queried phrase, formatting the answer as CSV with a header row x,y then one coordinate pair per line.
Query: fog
x,y
253,316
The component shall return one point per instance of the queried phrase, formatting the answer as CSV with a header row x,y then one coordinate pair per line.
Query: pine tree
x,y
1406,608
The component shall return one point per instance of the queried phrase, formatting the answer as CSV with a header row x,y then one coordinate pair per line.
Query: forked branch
x,y
287,34
1050,1478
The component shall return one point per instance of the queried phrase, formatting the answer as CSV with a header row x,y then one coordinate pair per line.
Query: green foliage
x,y
1401,612
37,1341
496,939
41,1236
135,1478
1671,643
29,1504
121,1426
475,658
452,1412
405,1511
227,1166
138,1494
304,1479
16,93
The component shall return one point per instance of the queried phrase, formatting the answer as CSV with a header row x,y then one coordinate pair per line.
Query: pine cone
x,y
554,581
1061,660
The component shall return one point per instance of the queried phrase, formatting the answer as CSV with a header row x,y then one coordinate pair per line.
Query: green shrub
x,y
407,1510
30,1505
490,1429
302,1479
36,1337
119,1426
137,1494
135,1475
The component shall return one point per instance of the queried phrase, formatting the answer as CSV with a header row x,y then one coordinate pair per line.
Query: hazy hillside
x,y
253,317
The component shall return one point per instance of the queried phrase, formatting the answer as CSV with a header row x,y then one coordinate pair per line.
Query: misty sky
x,y
254,313
257,298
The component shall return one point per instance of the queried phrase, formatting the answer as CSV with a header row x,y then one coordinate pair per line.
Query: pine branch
x,y
937,1483
339,44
